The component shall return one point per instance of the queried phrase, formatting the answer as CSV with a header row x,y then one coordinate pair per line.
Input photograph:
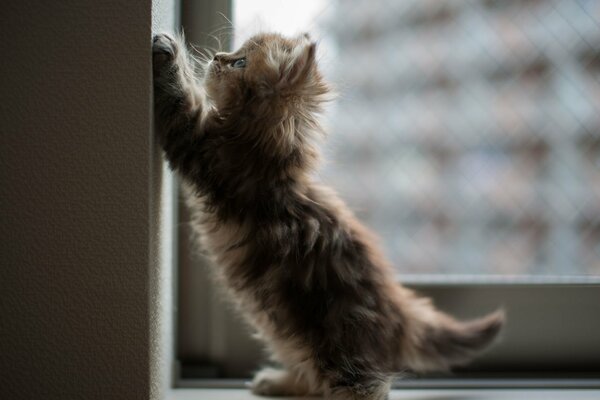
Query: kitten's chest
x,y
251,263
227,247
223,241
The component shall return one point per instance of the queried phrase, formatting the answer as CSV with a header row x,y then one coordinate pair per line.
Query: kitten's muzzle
x,y
215,66
219,57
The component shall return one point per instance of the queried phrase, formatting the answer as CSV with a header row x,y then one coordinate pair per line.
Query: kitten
x,y
305,273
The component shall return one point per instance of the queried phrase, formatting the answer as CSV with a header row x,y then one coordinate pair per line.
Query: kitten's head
x,y
269,93
267,66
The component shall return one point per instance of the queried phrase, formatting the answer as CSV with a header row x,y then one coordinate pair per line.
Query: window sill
x,y
412,394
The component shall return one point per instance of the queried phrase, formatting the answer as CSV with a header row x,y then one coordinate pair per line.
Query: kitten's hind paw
x,y
272,382
164,48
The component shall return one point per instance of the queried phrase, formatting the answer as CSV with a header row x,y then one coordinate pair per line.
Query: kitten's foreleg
x,y
178,100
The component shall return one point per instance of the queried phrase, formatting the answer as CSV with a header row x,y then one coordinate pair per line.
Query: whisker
x,y
226,19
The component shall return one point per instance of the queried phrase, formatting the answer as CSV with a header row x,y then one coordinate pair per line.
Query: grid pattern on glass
x,y
467,133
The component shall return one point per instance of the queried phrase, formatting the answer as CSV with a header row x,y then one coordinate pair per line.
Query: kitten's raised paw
x,y
164,48
271,382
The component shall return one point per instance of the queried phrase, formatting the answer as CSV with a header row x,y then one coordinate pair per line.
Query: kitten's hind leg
x,y
280,382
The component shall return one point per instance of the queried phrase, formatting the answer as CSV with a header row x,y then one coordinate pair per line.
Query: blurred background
x,y
465,133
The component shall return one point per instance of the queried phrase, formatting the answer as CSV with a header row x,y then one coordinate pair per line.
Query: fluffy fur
x,y
305,273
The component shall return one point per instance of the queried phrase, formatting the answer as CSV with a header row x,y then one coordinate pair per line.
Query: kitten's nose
x,y
219,56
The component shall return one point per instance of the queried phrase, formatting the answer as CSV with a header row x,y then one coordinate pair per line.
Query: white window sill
x,y
412,394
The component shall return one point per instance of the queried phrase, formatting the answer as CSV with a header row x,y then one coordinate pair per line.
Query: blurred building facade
x,y
467,133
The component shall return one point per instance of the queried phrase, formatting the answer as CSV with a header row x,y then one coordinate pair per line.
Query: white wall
x,y
83,294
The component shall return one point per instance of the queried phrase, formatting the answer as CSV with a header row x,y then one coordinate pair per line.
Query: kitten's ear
x,y
300,65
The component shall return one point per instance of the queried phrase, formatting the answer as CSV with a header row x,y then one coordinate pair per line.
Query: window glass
x,y
465,133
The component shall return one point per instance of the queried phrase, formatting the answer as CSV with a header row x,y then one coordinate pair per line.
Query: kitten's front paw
x,y
164,49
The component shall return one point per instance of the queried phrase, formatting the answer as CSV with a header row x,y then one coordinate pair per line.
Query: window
x,y
467,134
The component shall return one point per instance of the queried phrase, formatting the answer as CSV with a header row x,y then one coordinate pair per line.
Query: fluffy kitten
x,y
305,273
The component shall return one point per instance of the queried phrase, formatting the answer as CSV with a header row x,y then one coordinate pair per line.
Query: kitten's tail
x,y
435,341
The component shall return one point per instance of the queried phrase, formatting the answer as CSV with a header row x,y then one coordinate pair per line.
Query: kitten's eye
x,y
239,63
